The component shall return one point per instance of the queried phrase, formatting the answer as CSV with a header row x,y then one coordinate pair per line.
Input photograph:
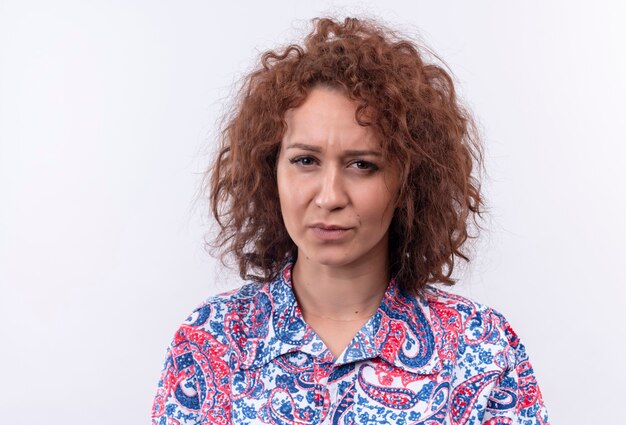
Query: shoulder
x,y
471,314
201,351
482,335
218,314
488,365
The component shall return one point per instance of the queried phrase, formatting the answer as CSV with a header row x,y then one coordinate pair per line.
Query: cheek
x,y
376,207
289,194
281,180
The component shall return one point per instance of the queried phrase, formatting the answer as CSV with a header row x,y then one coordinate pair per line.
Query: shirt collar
x,y
399,332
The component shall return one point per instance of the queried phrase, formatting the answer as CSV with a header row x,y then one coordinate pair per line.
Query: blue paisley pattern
x,y
248,357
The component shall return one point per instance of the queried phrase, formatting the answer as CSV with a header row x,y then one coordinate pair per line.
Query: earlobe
x,y
396,204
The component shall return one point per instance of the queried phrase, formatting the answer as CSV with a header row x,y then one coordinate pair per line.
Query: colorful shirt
x,y
248,357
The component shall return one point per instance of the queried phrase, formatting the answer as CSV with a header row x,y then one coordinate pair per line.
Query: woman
x,y
344,179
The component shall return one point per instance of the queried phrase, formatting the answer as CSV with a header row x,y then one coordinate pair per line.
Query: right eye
x,y
302,160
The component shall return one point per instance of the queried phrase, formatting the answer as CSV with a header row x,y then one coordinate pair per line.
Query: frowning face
x,y
337,195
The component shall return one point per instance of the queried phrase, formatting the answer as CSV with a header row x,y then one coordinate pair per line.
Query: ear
x,y
397,203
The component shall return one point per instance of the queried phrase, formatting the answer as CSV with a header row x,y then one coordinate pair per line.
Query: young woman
x,y
344,188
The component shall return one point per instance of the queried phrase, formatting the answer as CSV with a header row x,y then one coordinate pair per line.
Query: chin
x,y
331,257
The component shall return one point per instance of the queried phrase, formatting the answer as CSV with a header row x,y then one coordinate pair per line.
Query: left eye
x,y
364,165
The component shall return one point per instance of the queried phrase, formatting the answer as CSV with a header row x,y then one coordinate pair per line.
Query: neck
x,y
340,294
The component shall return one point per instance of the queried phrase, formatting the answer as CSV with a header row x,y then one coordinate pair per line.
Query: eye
x,y
302,160
365,165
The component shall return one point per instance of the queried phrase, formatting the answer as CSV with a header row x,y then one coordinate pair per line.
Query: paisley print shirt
x,y
247,357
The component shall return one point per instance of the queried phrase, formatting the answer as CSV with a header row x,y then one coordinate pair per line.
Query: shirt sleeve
x,y
177,398
516,398
194,387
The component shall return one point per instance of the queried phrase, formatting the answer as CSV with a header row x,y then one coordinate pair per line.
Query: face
x,y
337,195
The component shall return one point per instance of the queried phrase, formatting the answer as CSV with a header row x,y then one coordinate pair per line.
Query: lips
x,y
329,227
330,232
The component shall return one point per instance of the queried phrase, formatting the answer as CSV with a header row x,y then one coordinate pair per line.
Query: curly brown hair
x,y
411,105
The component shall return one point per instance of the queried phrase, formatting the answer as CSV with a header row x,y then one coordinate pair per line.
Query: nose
x,y
332,193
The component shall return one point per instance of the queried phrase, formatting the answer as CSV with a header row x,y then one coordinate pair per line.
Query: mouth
x,y
330,232
325,226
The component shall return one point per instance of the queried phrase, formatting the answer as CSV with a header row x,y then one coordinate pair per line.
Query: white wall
x,y
107,116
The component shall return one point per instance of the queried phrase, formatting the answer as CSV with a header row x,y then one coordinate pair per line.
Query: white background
x,y
108,111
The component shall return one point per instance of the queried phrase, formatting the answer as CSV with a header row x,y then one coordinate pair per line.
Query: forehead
x,y
328,117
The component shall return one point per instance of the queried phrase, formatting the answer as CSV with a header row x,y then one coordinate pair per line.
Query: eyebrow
x,y
317,149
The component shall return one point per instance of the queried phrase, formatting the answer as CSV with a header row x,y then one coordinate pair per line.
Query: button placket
x,y
321,372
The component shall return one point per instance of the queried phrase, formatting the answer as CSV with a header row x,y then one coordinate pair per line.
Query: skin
x,y
338,283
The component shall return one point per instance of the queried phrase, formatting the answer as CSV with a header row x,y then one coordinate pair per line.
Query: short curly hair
x,y
412,107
